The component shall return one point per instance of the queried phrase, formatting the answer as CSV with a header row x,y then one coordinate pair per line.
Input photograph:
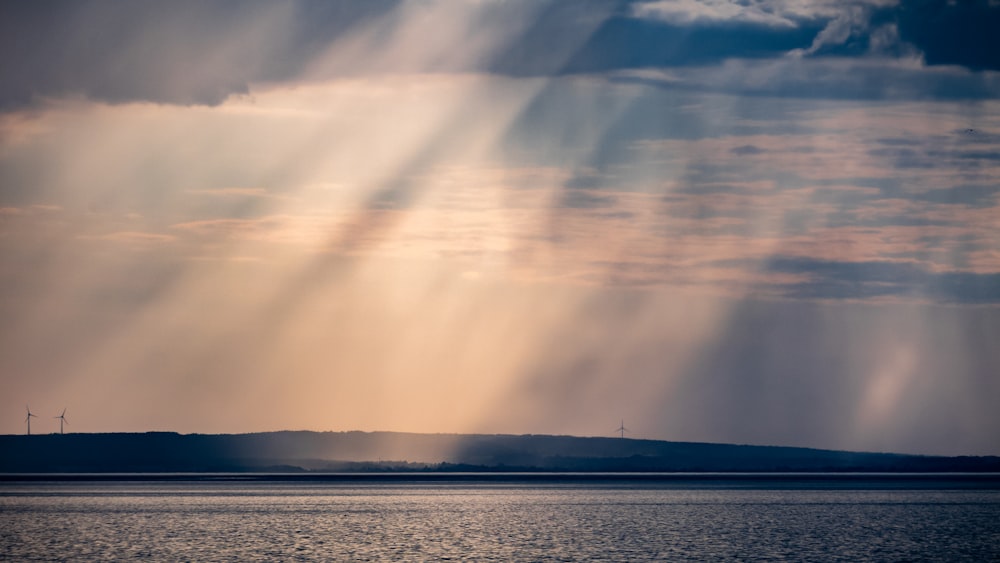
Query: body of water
x,y
504,519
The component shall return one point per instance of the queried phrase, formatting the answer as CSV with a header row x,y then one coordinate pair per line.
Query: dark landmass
x,y
370,452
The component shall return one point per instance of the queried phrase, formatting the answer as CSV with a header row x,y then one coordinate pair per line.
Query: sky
x,y
744,221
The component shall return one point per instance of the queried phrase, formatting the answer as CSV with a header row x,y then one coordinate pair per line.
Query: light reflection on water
x,y
233,521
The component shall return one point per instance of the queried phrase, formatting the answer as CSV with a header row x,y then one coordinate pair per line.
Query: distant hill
x,y
395,451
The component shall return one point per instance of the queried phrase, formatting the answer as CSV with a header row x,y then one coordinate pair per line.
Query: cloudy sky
x,y
751,221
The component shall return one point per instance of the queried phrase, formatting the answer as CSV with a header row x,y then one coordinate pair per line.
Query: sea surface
x,y
481,518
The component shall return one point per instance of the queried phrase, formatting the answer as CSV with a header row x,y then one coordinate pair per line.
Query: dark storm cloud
x,y
936,28
960,33
830,279
190,52
182,52
622,42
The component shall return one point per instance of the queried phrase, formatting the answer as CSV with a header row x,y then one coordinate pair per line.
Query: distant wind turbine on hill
x,y
28,418
622,429
62,420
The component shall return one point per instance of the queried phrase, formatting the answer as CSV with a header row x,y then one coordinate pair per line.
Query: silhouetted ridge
x,y
395,451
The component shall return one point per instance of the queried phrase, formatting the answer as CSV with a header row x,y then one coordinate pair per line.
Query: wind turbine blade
x,y
63,413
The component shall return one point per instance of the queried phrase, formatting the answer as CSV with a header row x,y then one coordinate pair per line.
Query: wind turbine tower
x,y
622,429
28,418
62,420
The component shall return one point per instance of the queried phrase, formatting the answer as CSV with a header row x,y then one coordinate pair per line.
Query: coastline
x,y
768,480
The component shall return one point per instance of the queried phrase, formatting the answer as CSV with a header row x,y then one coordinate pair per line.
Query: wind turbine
x,y
28,418
62,420
622,429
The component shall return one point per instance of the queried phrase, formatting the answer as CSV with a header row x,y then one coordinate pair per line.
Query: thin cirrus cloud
x,y
767,222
